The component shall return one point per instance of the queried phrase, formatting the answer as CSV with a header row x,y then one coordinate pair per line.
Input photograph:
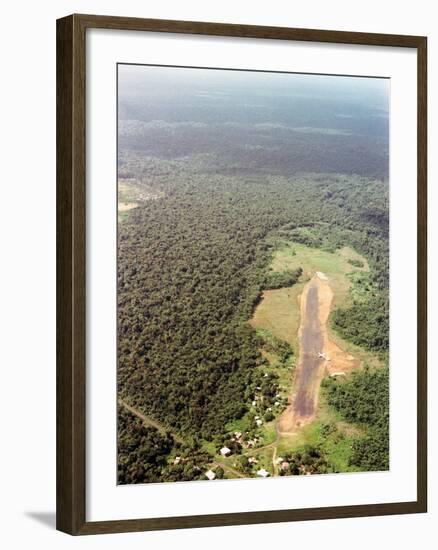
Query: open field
x,y
128,193
280,313
279,310
131,193
335,265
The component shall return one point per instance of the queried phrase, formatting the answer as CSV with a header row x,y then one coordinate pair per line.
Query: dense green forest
x,y
142,451
364,399
191,269
309,460
145,455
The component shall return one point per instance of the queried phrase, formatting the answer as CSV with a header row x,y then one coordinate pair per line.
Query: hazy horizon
x,y
176,111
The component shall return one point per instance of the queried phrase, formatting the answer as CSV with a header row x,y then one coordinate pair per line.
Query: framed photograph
x,y
241,274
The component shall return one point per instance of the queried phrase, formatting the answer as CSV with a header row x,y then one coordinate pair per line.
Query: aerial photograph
x,y
253,274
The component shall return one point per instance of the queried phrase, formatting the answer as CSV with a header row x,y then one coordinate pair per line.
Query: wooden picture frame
x,y
71,272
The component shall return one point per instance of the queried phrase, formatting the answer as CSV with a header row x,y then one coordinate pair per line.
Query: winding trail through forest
x,y
148,421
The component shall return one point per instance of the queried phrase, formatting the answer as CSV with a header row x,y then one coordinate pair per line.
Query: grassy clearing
x,y
243,424
336,266
128,193
264,458
269,434
279,311
279,314
127,197
131,193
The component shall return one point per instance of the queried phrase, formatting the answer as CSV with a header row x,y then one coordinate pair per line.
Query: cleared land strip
x,y
315,307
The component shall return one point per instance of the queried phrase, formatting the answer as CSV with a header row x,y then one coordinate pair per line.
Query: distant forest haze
x,y
218,171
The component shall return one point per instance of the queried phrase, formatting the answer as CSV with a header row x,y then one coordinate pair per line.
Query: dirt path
x,y
316,301
148,421
274,458
228,469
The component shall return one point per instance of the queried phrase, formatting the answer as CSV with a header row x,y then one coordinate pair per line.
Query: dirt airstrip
x,y
318,355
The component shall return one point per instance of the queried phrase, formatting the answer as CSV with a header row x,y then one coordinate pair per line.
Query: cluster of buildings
x,y
239,437
284,464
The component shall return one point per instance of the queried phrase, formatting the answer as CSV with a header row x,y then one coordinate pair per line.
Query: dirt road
x,y
148,421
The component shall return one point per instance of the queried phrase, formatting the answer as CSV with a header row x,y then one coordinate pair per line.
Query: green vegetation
x,y
145,455
193,264
364,400
334,264
281,280
232,193
272,344
356,263
279,314
142,451
365,324
192,268
329,434
309,460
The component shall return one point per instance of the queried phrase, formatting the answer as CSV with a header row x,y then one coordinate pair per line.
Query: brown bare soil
x,y
124,206
318,357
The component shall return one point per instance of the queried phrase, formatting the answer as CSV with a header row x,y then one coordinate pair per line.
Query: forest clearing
x,y
307,306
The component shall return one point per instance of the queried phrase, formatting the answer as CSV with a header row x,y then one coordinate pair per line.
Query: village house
x,y
210,475
225,451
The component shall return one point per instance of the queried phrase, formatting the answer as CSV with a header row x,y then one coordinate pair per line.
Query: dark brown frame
x,y
71,231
